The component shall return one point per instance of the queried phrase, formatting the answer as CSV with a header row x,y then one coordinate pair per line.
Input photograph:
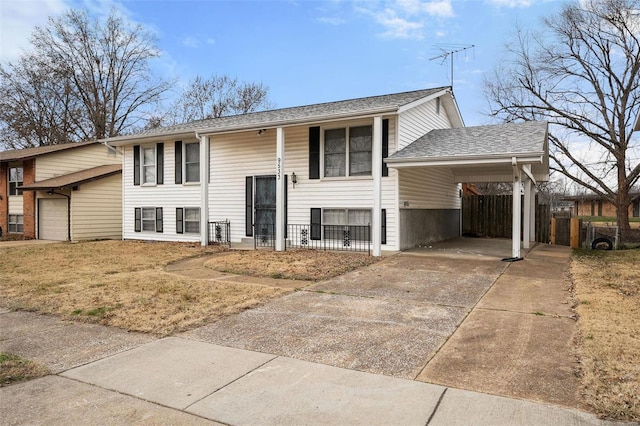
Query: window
x,y
192,162
356,153
148,219
188,220
149,164
339,221
16,223
192,220
15,180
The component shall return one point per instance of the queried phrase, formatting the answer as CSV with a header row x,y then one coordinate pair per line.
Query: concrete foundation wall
x,y
422,227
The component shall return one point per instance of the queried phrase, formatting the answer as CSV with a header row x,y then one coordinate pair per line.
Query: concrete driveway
x,y
452,314
389,318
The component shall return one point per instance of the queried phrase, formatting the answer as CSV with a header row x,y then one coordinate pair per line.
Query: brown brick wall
x,y
4,202
29,199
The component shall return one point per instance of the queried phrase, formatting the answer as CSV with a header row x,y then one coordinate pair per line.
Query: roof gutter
x,y
464,161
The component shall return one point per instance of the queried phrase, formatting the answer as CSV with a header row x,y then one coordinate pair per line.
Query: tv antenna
x,y
448,50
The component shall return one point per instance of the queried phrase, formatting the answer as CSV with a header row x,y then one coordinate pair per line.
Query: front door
x,y
265,208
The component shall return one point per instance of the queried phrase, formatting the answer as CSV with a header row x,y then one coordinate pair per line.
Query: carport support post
x,y
376,172
526,226
517,211
280,190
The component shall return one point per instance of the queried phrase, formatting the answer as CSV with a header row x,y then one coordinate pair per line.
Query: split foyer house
x,y
350,173
61,192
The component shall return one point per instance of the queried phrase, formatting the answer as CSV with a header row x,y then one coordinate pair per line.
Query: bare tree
x,y
34,111
87,79
218,96
581,74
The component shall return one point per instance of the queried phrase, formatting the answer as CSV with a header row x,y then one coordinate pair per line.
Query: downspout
x,y
50,192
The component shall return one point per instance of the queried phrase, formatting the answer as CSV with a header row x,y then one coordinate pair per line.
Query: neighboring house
x,y
595,205
296,176
62,192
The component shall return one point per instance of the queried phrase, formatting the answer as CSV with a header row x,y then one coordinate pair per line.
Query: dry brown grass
x,y
120,283
607,286
308,265
14,369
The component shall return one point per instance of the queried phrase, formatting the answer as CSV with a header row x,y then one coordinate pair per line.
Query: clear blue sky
x,y
313,51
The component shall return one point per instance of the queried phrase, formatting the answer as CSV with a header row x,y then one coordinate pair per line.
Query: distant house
x,y
595,205
62,192
320,174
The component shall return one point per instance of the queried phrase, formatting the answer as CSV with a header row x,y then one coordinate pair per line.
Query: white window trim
x,y
17,182
184,220
184,164
142,209
15,223
143,175
346,164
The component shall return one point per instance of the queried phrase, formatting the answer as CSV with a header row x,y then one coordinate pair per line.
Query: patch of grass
x,y
609,281
306,265
14,369
540,314
121,284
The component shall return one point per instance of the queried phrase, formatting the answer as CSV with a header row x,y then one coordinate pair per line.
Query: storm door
x,y
265,208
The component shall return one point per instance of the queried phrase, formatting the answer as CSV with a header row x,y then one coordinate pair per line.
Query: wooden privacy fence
x,y
491,216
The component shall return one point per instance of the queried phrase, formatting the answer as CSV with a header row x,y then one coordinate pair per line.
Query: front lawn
x,y
120,283
607,287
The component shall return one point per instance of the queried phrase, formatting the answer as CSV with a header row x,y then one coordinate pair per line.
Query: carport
x,y
512,152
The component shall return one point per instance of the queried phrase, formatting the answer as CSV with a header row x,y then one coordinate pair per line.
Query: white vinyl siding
x,y
97,209
428,188
169,196
16,204
236,156
417,122
73,160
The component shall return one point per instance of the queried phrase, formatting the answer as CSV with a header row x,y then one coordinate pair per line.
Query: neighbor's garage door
x,y
52,219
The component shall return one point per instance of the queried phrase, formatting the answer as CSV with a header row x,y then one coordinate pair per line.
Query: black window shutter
x,y
383,224
137,227
316,224
158,219
248,211
178,155
385,146
160,163
179,220
136,164
314,152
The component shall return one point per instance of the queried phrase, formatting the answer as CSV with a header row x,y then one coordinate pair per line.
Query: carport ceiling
x,y
481,153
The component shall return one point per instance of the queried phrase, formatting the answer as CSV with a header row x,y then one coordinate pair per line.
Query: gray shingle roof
x,y
293,114
511,138
23,154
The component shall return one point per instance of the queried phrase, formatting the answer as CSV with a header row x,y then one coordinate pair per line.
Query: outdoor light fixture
x,y
294,179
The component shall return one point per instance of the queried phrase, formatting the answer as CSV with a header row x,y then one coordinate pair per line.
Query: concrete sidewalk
x,y
180,381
